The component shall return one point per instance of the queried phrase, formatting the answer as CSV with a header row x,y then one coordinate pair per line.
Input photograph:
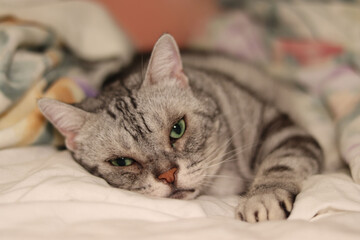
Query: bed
x,y
45,194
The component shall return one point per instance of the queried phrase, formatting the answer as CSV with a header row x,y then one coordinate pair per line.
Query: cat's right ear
x,y
165,63
66,118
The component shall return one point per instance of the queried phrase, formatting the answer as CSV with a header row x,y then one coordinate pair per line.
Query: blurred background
x,y
65,49
145,21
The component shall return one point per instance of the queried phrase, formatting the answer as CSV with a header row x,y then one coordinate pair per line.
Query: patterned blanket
x,y
44,57
311,47
32,65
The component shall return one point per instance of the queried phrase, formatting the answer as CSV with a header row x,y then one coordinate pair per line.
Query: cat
x,y
182,130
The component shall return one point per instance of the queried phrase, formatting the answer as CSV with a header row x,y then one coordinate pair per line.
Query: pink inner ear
x,y
66,118
165,62
69,141
180,75
69,132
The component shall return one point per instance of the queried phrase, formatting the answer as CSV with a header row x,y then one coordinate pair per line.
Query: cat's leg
x,y
286,156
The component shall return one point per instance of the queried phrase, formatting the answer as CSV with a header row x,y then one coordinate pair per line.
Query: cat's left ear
x,y
165,63
66,118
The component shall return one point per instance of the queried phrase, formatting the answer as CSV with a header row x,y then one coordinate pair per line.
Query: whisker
x,y
234,152
226,143
216,150
206,185
238,150
226,160
221,176
226,154
207,182
211,155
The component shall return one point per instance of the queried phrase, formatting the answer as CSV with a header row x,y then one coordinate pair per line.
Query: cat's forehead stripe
x,y
133,121
110,113
133,101
144,122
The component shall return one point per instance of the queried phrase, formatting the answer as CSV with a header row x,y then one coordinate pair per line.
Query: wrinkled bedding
x,y
44,194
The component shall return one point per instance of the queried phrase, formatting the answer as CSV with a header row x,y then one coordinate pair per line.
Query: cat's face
x,y
160,140
168,129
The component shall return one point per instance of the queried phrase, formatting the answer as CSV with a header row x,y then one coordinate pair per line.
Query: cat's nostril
x,y
168,176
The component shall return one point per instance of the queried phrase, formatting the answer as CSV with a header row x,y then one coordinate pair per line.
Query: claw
x,y
275,205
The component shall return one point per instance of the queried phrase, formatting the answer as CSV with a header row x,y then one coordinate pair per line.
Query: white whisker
x,y
223,161
230,158
214,154
226,143
221,176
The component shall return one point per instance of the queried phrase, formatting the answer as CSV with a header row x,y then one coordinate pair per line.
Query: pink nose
x,y
168,176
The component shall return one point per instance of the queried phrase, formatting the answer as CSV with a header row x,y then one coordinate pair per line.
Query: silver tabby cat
x,y
185,129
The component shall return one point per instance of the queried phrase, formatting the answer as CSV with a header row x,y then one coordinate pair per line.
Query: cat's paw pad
x,y
275,205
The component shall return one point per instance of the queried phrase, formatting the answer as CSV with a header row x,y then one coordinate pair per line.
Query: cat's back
x,y
239,74
236,85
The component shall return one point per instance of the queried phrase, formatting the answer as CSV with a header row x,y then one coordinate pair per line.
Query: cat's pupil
x,y
177,128
122,162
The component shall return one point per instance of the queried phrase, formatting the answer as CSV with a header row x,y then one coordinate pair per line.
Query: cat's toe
x,y
285,200
252,210
275,205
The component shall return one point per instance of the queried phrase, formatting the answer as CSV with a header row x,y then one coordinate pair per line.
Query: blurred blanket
x,y
312,51
43,56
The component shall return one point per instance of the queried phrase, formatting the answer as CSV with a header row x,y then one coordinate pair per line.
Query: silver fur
x,y
234,141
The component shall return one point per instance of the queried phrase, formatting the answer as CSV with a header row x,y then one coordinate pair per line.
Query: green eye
x,y
122,162
178,130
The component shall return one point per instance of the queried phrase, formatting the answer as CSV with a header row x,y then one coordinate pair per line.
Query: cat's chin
x,y
184,194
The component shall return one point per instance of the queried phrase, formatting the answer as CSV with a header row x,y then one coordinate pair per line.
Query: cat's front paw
x,y
274,205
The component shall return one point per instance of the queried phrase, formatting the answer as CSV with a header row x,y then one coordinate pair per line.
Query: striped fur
x,y
234,143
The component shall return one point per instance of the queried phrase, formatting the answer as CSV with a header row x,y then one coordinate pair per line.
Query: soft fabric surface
x,y
44,194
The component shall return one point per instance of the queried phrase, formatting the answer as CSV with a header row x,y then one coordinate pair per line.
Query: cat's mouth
x,y
182,194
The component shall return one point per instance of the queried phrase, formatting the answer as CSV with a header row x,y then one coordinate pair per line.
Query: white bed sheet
x,y
44,194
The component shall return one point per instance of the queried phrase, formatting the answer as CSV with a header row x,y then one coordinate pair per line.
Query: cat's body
x,y
183,131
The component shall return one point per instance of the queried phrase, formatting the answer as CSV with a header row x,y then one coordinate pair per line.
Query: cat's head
x,y
158,139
